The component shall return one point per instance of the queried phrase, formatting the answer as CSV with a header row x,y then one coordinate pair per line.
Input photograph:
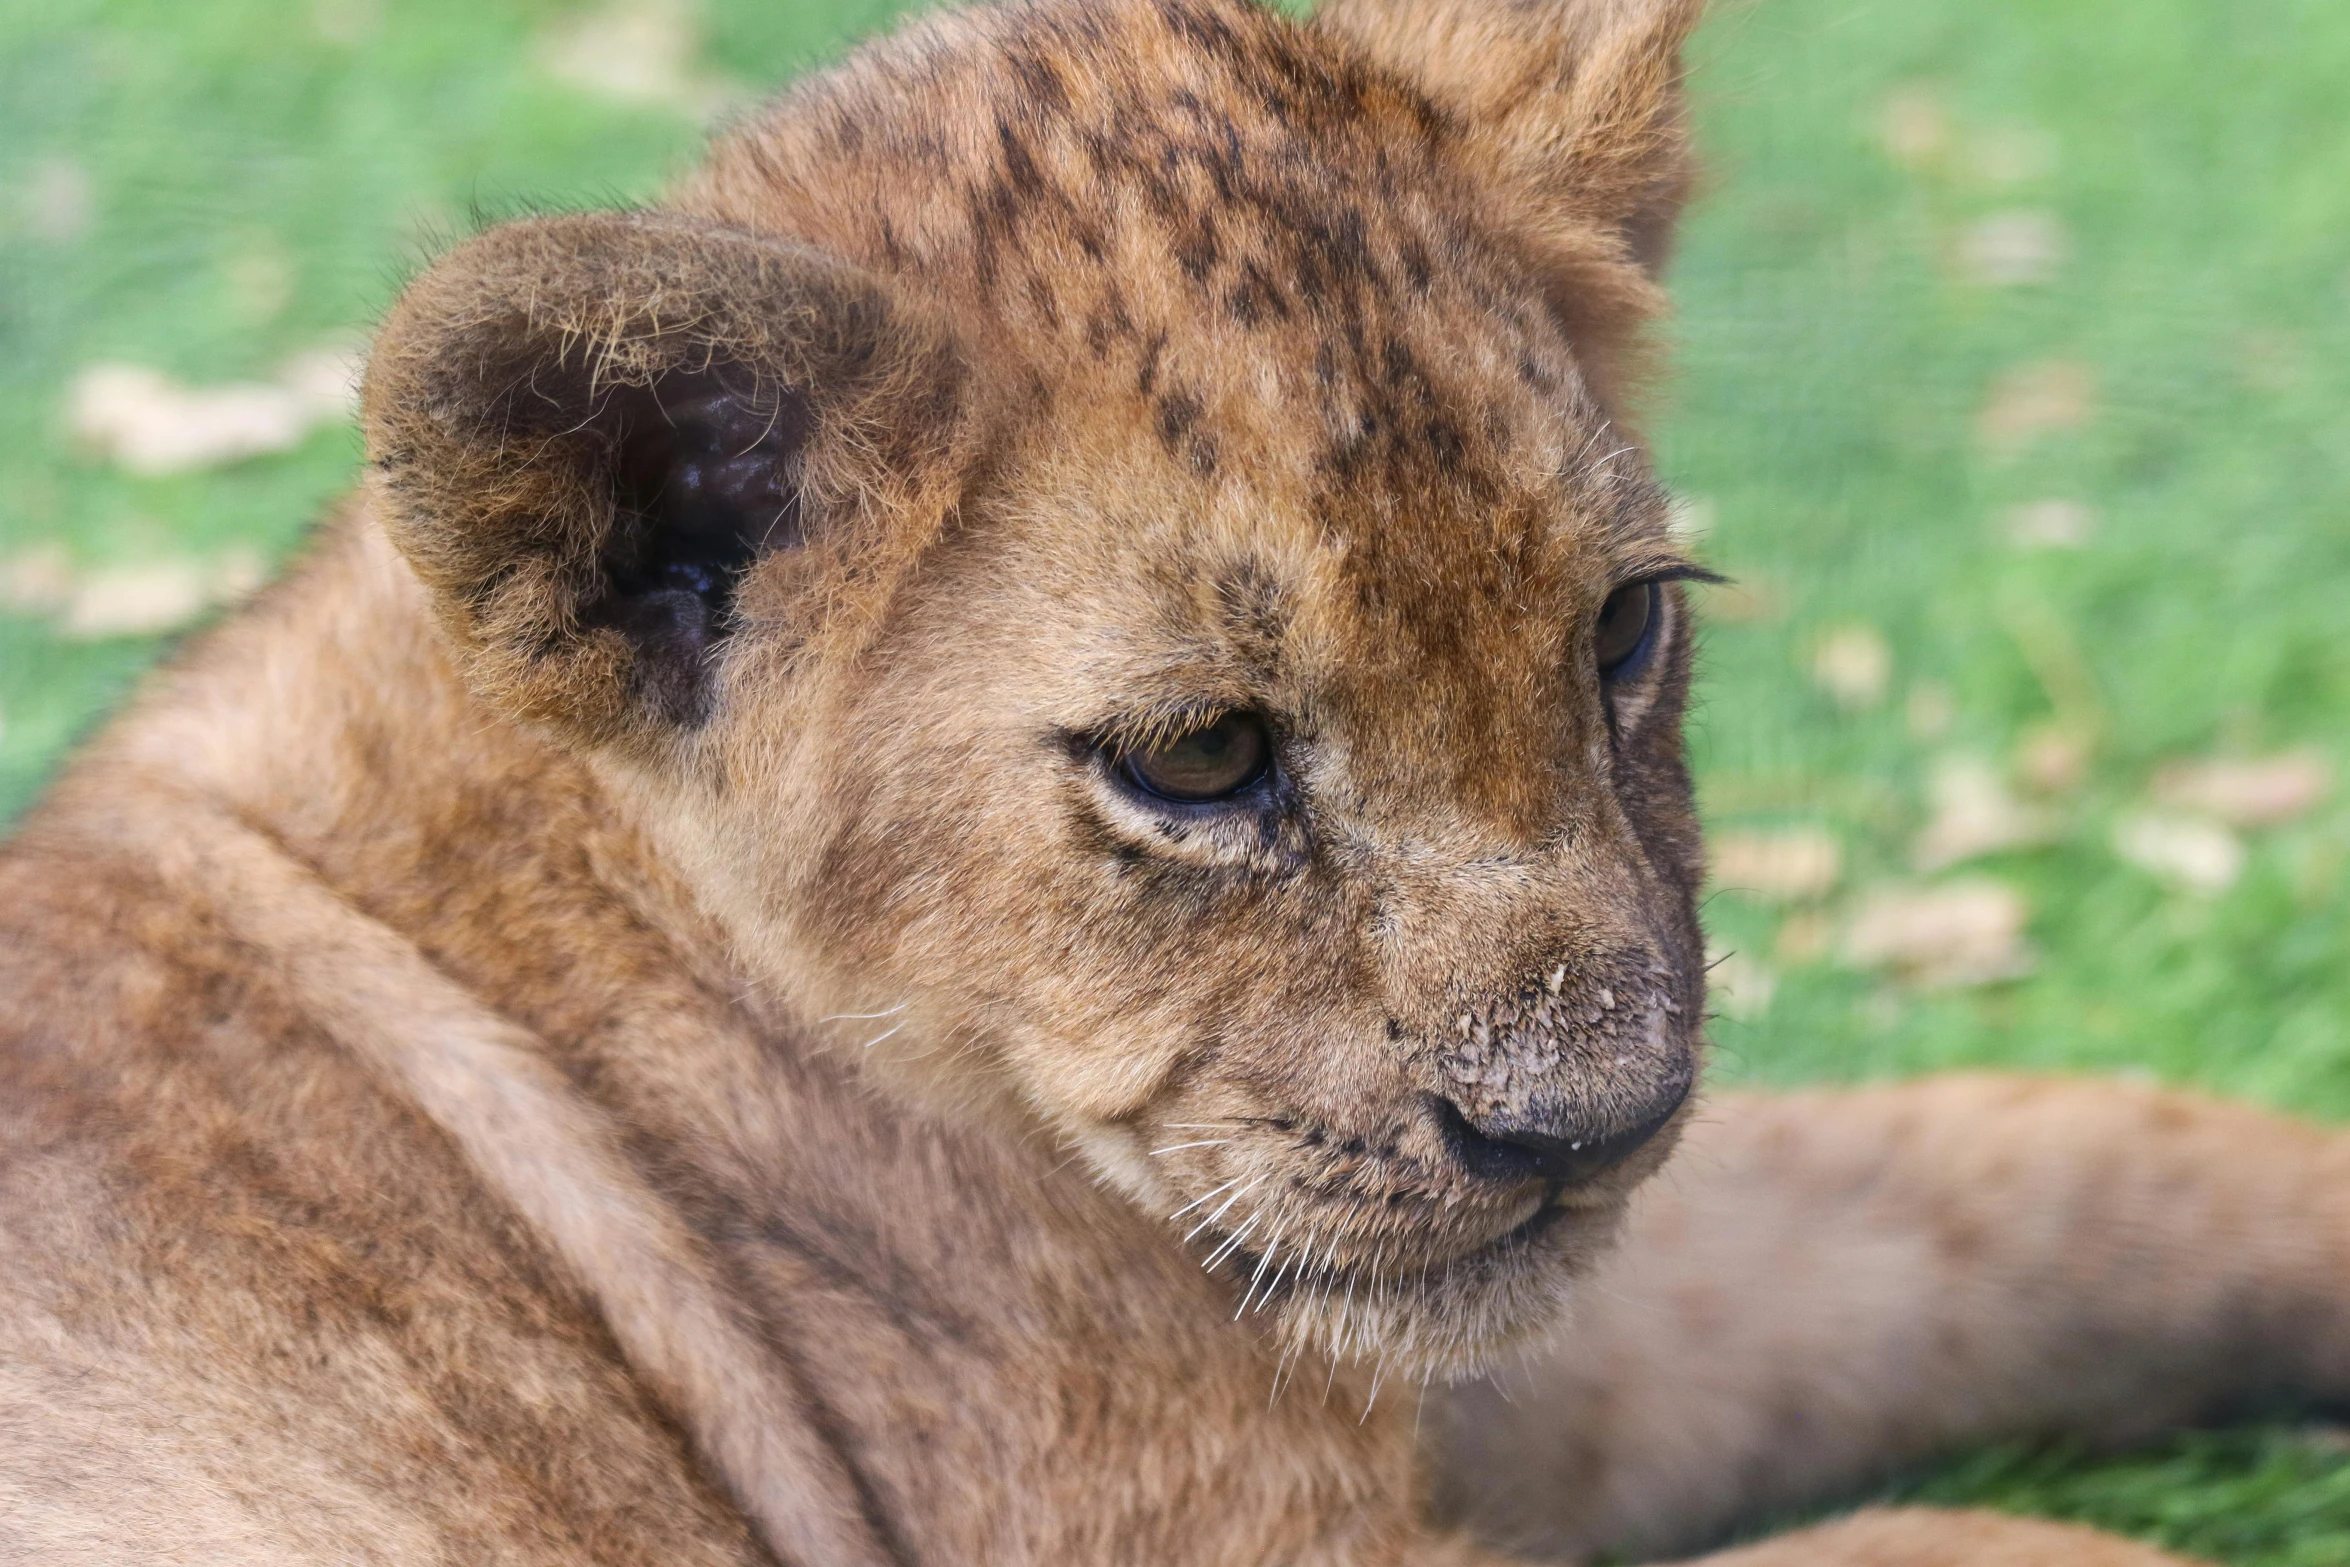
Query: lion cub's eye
x,y
1213,762
1627,624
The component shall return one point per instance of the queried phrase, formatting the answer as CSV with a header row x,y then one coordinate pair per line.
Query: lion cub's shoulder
x,y
258,1308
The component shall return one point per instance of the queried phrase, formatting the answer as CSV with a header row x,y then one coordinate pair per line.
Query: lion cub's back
x,y
254,1311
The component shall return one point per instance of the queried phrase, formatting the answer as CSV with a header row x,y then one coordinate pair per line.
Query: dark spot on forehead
x,y
1107,322
1178,419
1198,248
1403,372
1254,605
1040,79
1447,447
1418,271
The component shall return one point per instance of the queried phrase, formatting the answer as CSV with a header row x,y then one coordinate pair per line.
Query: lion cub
x,y
975,850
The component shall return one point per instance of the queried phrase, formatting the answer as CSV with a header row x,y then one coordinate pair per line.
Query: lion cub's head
x,y
1100,537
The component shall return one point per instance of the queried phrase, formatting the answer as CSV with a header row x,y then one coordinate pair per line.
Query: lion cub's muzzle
x,y
1564,1078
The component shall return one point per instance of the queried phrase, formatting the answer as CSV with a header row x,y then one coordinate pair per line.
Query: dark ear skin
x,y
586,431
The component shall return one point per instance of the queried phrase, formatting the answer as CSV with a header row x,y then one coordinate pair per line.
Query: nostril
x,y
1482,1154
1560,1152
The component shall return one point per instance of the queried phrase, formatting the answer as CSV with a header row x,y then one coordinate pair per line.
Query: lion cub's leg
x,y
1823,1287
1935,1537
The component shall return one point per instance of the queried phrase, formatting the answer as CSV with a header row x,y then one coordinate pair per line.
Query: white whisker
x,y
1212,1142
1304,1251
1345,1312
1227,1203
865,1017
1232,1241
1290,1354
1263,1263
1286,1264
1196,1201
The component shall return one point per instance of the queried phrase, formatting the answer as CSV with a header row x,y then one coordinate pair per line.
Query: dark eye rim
x,y
1634,659
1659,611
1261,788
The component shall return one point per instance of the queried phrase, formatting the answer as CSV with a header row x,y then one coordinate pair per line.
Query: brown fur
x,y
626,1013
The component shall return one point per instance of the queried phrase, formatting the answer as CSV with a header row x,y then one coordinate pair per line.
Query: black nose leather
x,y
1558,1152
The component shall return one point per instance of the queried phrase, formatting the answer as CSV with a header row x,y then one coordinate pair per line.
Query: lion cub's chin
x,y
1447,1319
1347,1282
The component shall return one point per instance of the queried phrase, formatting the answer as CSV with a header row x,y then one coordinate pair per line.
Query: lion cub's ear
x,y
587,430
1574,112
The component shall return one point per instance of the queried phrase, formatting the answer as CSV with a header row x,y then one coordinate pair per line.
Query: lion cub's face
x,y
1318,856
1231,701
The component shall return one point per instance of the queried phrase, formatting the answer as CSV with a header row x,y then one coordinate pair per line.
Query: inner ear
x,y
705,479
586,431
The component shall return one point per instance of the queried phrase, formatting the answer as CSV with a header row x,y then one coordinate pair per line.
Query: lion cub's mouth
x,y
1267,1279
1419,1245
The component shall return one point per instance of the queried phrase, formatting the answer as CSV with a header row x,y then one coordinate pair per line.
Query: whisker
x,y
865,1017
1212,1142
1232,1241
1307,1250
1290,1353
1287,1263
1196,1201
884,1034
1227,1203
1263,1263
1250,1294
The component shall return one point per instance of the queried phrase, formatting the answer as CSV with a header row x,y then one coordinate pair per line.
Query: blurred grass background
x,y
2013,385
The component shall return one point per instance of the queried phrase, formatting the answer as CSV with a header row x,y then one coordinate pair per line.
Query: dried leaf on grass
x,y
1804,938
2053,757
2013,249
1912,126
2259,791
2191,853
1964,932
142,599
59,203
152,425
37,581
1793,865
640,52
2050,525
136,600
2046,397
1974,815
1853,665
1930,711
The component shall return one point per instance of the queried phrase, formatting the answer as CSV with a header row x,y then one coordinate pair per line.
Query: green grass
x,y
259,174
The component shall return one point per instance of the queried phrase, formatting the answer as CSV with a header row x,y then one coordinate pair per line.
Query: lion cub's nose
x,y
1558,1148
